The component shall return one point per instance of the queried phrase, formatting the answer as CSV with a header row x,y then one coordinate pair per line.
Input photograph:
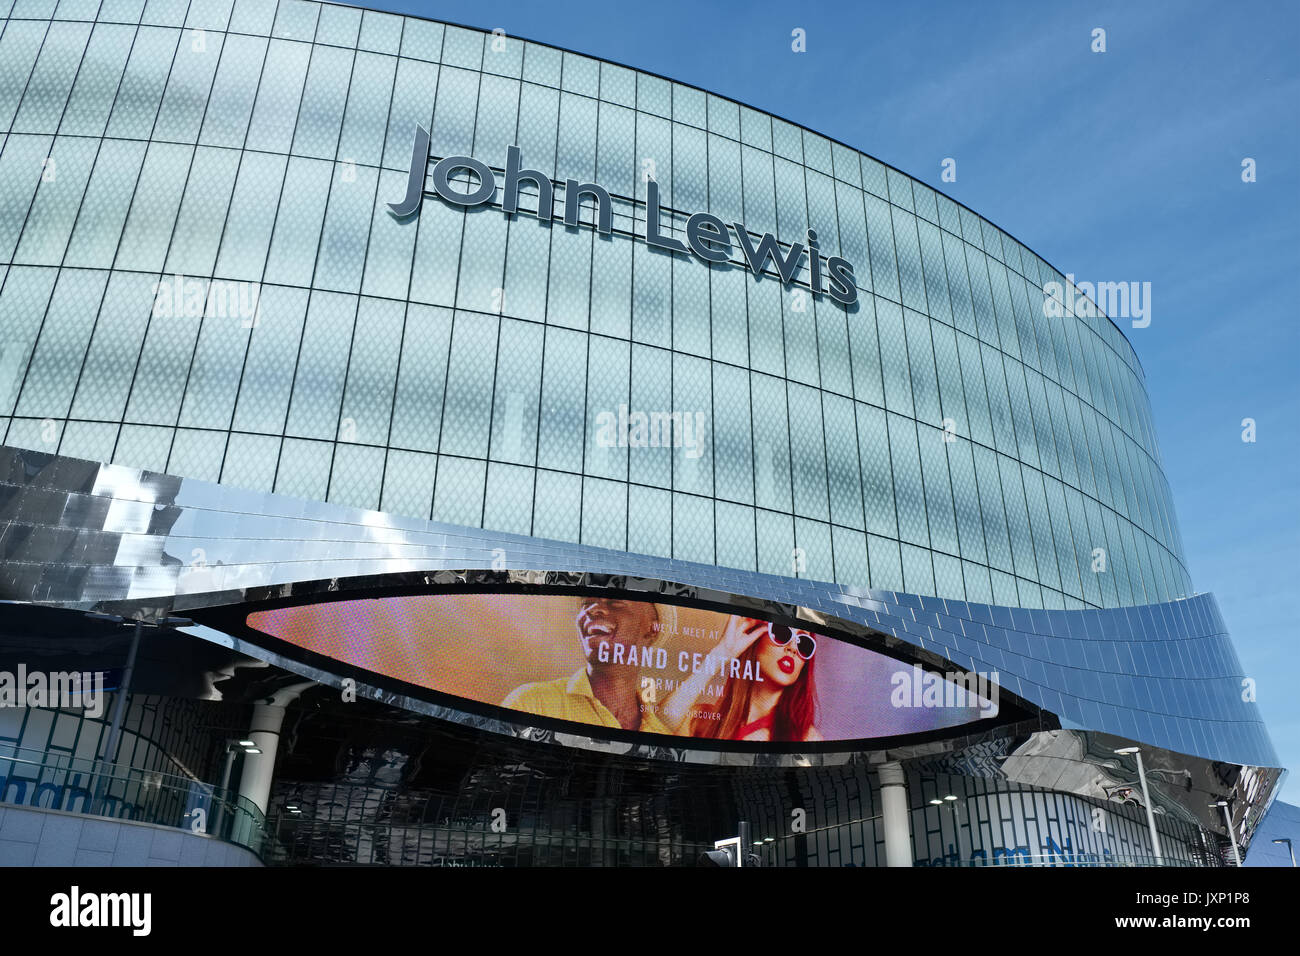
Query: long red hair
x,y
792,717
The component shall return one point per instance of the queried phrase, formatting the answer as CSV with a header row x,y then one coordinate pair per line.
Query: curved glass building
x,y
318,324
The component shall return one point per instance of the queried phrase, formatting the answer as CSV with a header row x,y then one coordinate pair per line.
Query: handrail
x,y
63,761
95,788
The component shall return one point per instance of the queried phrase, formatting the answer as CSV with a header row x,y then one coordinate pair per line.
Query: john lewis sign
x,y
707,236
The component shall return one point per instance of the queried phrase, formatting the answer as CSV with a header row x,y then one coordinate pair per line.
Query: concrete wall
x,y
33,837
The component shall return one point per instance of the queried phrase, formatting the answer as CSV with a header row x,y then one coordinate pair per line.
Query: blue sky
x,y
1115,166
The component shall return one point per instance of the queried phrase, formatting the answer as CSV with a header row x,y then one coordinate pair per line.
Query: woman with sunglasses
x,y
776,704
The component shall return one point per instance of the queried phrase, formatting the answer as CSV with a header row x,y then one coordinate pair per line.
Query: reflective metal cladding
x,y
88,535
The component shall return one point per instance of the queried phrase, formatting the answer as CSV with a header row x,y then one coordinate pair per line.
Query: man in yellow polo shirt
x,y
606,691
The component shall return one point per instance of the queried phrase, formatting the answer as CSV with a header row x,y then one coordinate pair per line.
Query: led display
x,y
635,665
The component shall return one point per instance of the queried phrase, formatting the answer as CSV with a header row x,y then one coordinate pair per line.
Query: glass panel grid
x,y
945,434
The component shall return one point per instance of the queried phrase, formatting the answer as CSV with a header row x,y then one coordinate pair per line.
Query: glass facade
x,y
199,275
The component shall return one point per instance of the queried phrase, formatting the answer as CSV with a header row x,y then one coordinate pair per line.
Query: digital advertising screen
x,y
635,665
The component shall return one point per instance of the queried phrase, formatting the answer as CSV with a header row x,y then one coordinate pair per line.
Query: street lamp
x,y
232,747
1227,822
1146,800
1289,847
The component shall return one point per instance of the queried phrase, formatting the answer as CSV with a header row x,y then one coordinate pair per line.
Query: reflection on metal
x,y
422,792
91,536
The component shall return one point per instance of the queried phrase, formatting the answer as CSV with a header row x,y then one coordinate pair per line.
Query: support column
x,y
893,801
264,731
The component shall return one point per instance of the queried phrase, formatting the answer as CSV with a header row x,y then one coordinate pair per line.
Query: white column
x,y
893,802
264,730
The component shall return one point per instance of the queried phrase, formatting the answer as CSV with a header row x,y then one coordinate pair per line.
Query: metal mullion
x,y
785,377
631,319
32,72
64,256
852,397
89,176
586,364
180,204
541,410
406,308
32,203
988,560
952,495
672,335
1055,381
713,436
279,202
1002,494
749,381
1041,371
911,386
180,411
884,395
1060,478
501,314
451,335
361,280
821,391
310,287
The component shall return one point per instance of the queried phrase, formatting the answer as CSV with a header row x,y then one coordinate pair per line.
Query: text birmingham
x,y
707,236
